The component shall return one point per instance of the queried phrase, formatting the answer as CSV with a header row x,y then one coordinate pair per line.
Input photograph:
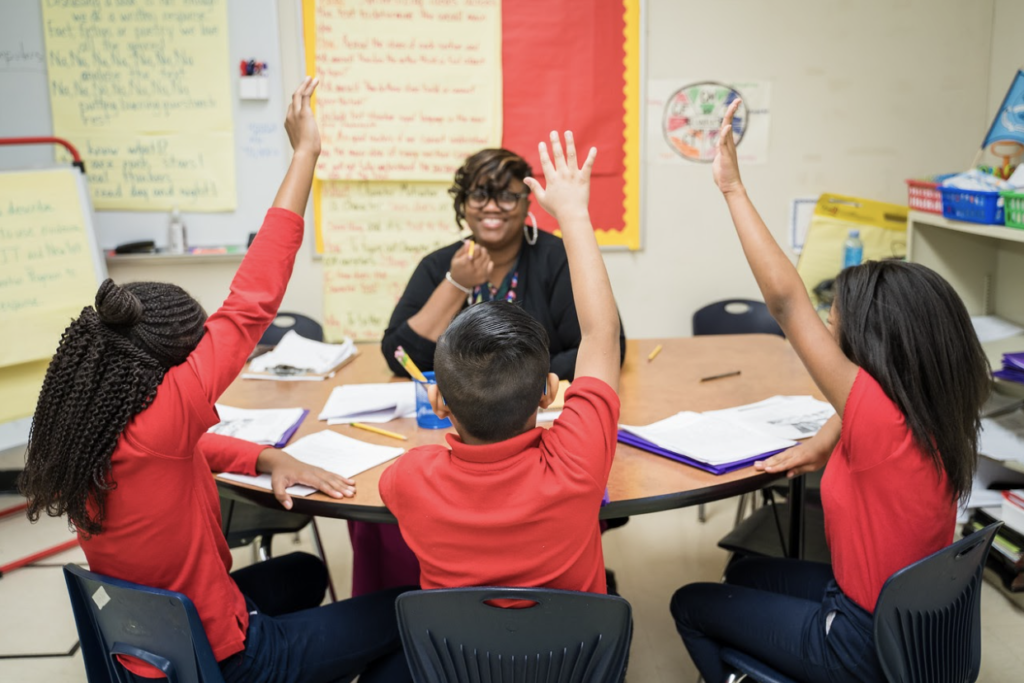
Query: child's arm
x,y
781,287
566,197
304,137
809,456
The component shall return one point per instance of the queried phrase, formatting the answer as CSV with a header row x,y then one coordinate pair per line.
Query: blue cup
x,y
425,416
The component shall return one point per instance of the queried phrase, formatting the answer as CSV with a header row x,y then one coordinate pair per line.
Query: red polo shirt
x,y
162,525
886,504
522,512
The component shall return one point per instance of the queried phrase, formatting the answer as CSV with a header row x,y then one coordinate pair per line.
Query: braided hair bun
x,y
117,305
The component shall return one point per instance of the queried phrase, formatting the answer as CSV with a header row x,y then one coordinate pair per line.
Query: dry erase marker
x,y
654,353
378,430
722,376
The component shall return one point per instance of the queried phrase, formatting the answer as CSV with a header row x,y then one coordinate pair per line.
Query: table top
x,y
640,482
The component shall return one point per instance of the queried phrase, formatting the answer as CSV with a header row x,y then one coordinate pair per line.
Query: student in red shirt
x,y
906,374
509,503
119,445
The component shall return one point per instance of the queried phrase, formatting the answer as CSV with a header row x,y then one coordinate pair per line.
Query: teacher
x,y
505,258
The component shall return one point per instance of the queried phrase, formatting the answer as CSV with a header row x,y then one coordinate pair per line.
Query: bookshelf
x,y
985,265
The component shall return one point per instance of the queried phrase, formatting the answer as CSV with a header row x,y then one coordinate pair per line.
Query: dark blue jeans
x,y
293,639
775,610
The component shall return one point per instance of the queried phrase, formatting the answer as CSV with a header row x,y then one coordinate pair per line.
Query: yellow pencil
x,y
472,246
654,353
378,430
409,366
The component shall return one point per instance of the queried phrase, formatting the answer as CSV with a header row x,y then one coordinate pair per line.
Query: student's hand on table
x,y
300,122
568,187
800,459
286,471
470,271
726,167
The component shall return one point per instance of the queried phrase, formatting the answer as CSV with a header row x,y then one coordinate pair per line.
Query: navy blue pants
x,y
775,610
291,638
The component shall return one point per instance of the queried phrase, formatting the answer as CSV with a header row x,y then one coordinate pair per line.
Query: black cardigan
x,y
544,291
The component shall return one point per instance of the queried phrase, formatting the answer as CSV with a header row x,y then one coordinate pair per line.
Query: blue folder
x,y
644,444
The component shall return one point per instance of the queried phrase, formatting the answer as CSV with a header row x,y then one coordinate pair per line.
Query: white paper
x,y
709,439
376,403
548,415
296,351
263,481
997,404
990,328
787,417
1002,437
340,454
265,426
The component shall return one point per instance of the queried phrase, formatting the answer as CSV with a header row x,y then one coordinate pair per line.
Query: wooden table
x,y
640,482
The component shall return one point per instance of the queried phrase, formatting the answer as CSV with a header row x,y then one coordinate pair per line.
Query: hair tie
x,y
116,305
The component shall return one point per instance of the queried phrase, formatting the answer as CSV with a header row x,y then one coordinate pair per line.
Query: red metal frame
x,y
48,140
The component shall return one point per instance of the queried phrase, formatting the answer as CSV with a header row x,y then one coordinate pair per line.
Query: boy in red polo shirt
x,y
509,503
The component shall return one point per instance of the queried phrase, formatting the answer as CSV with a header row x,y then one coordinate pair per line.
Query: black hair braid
x,y
108,366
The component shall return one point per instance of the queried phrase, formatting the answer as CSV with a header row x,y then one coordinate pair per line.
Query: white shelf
x,y
997,232
159,259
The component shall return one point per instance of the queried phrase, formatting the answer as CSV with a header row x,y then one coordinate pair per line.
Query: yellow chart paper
x,y
141,88
47,274
374,236
408,89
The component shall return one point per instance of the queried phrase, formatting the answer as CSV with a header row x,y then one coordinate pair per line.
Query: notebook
x,y
296,358
271,427
373,403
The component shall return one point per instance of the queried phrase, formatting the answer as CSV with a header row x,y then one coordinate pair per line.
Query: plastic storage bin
x,y
924,194
1014,209
974,206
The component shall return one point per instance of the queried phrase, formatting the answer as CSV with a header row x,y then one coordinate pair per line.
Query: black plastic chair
x,y
286,322
159,627
927,619
454,636
735,316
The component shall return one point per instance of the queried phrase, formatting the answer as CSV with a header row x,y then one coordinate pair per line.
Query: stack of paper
x,y
298,358
370,403
1013,367
990,328
1002,436
724,440
272,427
330,451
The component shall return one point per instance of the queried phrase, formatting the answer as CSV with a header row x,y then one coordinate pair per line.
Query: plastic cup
x,y
425,416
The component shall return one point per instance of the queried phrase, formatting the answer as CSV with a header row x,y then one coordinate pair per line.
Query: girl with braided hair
x,y
119,444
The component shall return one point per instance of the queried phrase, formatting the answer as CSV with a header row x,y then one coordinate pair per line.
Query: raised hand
x,y
568,186
726,168
471,269
300,122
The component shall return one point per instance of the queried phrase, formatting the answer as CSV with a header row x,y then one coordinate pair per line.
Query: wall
x,y
1007,51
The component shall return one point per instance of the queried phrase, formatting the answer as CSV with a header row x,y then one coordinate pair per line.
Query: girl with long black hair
x,y
907,376
119,445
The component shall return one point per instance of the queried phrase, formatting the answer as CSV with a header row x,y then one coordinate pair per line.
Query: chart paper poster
x,y
684,117
408,89
374,236
142,89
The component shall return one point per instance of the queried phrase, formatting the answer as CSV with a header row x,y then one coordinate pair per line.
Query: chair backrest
x,y
454,635
285,322
735,316
928,616
159,627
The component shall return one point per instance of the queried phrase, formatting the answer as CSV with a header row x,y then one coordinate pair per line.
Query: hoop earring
x,y
531,238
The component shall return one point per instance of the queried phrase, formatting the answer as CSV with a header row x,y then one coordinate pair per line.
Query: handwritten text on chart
x,y
46,269
136,80
374,236
409,89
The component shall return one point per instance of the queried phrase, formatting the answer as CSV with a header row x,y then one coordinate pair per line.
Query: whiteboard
x,y
261,147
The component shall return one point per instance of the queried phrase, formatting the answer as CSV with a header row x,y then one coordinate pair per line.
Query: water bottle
x,y
176,241
853,249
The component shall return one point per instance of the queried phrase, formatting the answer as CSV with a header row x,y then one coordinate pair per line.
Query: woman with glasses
x,y
504,258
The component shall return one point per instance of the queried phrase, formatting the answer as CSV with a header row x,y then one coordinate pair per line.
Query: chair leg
x,y
736,678
318,546
702,513
263,550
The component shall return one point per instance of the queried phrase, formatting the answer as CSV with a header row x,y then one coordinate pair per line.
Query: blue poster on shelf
x,y
1009,122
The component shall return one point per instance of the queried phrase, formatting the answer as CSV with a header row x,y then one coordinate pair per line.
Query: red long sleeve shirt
x,y
163,525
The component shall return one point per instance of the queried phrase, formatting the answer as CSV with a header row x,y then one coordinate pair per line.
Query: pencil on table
x,y
378,430
654,353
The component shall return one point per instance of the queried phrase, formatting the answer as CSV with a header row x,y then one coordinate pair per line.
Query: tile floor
x,y
651,556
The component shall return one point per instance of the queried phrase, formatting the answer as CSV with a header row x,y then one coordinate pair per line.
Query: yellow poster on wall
x,y
142,89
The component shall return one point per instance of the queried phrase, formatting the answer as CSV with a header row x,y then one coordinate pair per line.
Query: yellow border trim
x,y
309,39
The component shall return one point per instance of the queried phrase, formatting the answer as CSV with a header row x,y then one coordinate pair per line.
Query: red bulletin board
x,y
574,66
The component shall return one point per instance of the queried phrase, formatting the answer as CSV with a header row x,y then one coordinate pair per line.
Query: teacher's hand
x,y
470,270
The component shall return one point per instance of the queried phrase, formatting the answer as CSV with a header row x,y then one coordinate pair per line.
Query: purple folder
x,y
291,430
638,442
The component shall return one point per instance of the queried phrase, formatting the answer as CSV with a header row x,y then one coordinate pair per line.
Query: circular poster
x,y
693,116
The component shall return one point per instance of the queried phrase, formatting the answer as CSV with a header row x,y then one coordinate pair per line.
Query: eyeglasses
x,y
478,197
